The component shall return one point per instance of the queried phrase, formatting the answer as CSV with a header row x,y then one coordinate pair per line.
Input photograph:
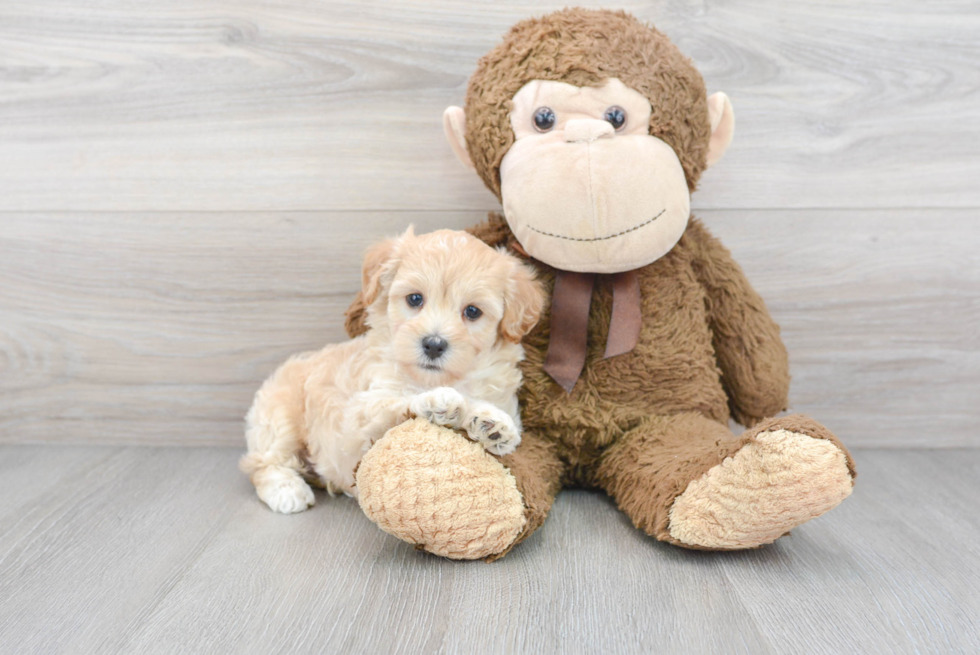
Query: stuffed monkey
x,y
592,129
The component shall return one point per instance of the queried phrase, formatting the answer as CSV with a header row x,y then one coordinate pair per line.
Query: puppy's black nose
x,y
434,346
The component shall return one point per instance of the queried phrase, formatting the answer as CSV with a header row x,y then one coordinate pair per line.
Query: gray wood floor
x,y
166,550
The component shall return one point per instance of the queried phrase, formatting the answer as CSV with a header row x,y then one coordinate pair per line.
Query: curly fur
x,y
643,425
319,412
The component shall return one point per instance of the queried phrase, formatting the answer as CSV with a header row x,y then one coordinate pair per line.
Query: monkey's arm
x,y
493,231
752,357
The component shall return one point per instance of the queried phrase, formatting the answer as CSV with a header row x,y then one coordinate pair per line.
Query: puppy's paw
x,y
442,406
494,428
287,495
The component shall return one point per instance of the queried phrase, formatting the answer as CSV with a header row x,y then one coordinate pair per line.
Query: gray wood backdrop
x,y
186,189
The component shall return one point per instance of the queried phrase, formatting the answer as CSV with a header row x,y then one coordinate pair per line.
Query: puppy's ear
x,y
380,262
523,302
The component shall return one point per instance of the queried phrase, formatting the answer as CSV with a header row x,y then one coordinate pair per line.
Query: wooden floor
x,y
141,549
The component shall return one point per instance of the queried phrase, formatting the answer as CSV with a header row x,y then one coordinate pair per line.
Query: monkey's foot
x,y
438,490
777,481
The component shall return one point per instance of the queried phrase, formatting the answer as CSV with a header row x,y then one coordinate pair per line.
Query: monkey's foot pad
x,y
434,488
773,484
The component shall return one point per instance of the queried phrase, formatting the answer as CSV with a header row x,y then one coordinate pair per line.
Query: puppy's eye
x,y
472,312
616,116
544,119
415,300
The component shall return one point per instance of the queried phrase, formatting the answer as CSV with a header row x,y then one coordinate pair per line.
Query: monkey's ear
x,y
454,125
380,262
722,119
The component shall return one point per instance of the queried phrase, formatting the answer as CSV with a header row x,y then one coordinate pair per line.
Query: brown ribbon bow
x,y
570,304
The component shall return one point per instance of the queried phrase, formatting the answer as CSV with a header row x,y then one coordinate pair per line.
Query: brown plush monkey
x,y
593,129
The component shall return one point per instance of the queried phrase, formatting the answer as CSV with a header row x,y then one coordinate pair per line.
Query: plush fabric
x,y
646,425
777,481
478,500
570,208
649,426
614,45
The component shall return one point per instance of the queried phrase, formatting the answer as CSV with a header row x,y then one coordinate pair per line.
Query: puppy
x,y
447,314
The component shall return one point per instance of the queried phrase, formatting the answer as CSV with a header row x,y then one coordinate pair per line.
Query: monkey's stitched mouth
x,y
605,238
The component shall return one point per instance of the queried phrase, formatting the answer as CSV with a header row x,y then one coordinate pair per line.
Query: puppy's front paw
x,y
442,406
494,428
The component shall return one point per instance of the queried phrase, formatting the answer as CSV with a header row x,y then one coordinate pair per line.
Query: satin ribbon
x,y
570,305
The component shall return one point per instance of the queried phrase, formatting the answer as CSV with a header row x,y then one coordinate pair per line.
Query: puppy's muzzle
x,y
434,347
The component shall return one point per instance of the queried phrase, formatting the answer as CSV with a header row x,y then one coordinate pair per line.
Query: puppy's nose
x,y
434,346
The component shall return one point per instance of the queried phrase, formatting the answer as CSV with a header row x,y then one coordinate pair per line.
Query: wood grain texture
x,y
162,550
158,328
880,314
327,105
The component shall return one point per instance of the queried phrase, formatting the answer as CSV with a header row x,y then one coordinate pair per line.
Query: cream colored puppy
x,y
447,314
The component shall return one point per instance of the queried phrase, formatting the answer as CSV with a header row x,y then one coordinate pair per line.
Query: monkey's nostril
x,y
587,130
434,346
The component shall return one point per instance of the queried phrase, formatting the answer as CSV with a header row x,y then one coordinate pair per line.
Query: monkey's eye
x,y
544,119
472,312
616,116
414,299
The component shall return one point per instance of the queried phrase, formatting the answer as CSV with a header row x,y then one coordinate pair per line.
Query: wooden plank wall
x,y
186,188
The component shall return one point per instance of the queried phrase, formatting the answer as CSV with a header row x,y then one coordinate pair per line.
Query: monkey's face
x,y
585,187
